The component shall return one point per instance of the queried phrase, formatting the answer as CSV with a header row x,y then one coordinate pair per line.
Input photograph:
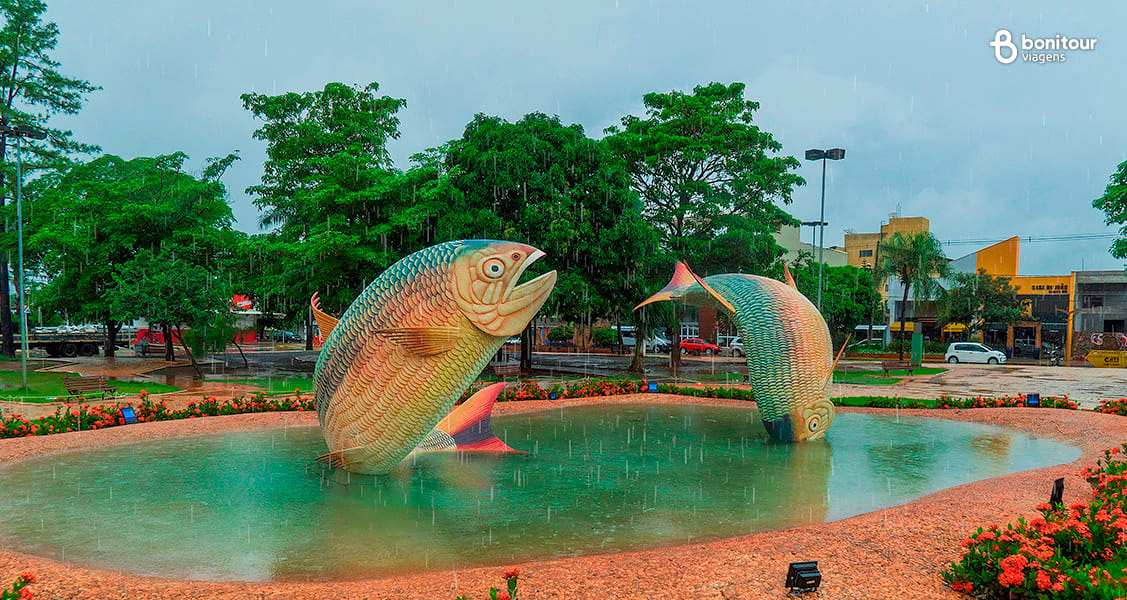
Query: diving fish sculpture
x,y
786,341
406,349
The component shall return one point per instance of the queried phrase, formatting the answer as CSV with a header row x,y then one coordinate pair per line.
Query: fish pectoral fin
x,y
340,458
424,341
468,425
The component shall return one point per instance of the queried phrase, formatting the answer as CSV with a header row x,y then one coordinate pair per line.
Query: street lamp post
x,y
822,155
20,132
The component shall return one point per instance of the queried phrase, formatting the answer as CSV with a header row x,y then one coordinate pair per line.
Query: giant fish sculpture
x,y
411,343
786,341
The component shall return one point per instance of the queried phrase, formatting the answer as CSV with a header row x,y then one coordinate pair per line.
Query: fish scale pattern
x,y
363,380
787,346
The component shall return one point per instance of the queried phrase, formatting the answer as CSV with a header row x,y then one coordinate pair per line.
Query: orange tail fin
x,y
469,423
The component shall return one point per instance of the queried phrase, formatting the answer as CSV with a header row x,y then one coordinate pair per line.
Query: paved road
x,y
1084,385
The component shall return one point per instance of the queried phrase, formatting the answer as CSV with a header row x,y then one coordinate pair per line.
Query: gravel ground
x,y
891,553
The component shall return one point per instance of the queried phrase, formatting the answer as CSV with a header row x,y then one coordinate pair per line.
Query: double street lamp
x,y
20,132
822,155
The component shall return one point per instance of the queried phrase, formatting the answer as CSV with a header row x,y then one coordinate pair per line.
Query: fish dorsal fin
x,y
790,279
683,279
424,341
324,322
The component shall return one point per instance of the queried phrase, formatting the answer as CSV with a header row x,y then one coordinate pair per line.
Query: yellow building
x,y
861,247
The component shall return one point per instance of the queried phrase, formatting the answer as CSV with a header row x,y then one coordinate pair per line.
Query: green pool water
x,y
252,506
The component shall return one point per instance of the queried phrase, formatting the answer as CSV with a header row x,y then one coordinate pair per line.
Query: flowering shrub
x,y
19,590
949,402
1074,552
1113,407
99,416
588,388
510,576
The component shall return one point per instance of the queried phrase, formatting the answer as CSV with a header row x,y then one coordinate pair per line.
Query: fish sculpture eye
x,y
493,268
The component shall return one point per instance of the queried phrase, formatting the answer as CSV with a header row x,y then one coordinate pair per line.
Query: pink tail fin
x,y
469,423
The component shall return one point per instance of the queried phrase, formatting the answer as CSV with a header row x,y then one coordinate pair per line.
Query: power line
x,y
1070,237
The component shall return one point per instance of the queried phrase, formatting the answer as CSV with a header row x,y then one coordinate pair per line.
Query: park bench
x,y
895,365
83,385
511,369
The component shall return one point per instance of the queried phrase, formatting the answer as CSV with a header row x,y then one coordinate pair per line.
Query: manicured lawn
x,y
274,385
46,387
864,400
877,377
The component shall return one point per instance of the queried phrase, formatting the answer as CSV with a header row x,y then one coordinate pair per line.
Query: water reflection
x,y
253,506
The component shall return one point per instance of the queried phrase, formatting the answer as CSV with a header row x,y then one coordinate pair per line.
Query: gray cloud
x,y
930,120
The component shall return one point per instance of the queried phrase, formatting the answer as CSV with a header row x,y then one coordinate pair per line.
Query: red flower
x,y
25,594
28,577
503,596
511,573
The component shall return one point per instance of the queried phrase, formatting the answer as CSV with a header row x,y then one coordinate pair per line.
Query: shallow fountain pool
x,y
252,506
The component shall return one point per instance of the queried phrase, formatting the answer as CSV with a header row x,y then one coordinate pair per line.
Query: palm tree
x,y
916,260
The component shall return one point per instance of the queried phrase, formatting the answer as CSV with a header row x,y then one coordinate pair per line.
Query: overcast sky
x,y
932,123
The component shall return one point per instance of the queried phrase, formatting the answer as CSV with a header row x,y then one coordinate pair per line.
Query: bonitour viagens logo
x,y
1040,50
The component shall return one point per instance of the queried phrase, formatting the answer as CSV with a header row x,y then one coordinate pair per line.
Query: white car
x,y
970,352
735,348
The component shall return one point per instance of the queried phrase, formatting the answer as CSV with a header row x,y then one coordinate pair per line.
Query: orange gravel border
x,y
890,553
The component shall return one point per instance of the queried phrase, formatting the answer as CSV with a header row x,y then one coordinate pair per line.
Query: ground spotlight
x,y
128,414
651,387
1057,497
803,576
553,395
1033,400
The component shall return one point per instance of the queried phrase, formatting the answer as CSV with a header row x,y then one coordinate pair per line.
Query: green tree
x,y
31,91
1114,205
916,260
327,180
92,219
974,299
709,179
543,183
167,288
847,293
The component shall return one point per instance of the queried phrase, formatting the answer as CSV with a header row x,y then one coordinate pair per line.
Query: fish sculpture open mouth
x,y
521,298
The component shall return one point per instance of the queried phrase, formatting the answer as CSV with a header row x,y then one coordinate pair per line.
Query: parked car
x,y
735,347
698,346
659,344
970,352
287,337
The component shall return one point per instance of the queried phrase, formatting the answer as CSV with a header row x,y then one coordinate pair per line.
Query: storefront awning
x,y
908,326
954,328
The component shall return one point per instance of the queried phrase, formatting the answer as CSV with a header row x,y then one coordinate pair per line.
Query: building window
x,y
1114,326
865,253
1093,302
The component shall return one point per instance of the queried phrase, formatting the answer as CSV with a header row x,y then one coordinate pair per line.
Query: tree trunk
x,y
112,327
903,305
526,348
7,338
637,364
188,351
309,328
246,365
169,355
675,342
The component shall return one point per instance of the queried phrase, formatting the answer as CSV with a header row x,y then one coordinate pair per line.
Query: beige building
x,y
861,247
789,238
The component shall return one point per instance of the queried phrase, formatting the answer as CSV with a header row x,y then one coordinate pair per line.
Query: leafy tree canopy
x,y
1114,205
974,299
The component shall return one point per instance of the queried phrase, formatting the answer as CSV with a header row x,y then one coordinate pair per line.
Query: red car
x,y
698,346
